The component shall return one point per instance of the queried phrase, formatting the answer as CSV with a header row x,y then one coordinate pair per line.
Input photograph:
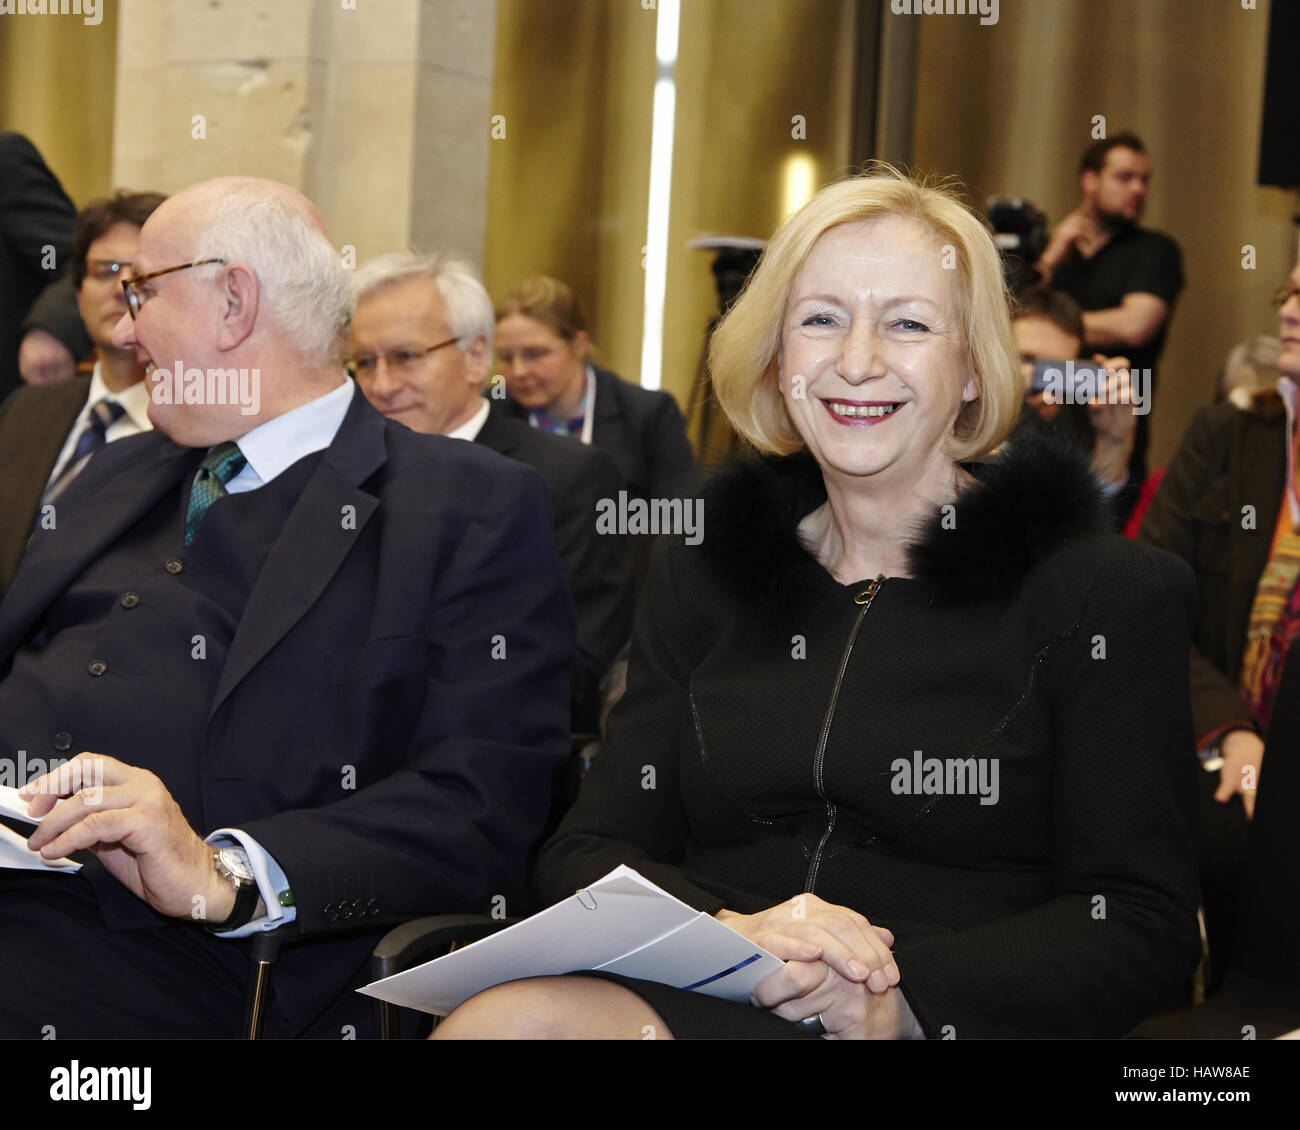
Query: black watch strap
x,y
246,895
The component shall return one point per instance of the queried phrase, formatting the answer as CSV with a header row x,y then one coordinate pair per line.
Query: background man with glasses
x,y
1229,505
405,301
309,687
49,432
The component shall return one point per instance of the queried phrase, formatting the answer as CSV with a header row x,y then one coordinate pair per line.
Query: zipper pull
x,y
867,595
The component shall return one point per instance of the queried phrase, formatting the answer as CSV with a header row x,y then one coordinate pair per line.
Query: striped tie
x,y
103,415
219,466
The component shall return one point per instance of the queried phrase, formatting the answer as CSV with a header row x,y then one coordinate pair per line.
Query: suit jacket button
x,y
97,667
173,566
372,907
330,913
62,740
129,599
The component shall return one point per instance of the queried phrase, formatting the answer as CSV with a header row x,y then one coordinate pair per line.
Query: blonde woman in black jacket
x,y
919,726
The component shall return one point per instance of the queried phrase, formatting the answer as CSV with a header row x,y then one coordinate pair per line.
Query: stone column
x,y
379,110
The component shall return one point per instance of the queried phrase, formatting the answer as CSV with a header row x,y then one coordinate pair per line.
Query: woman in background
x,y
544,351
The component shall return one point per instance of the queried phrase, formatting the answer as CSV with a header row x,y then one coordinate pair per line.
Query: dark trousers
x,y
1222,843
67,976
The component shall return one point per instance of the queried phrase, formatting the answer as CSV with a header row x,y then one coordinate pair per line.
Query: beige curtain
x,y
56,86
1010,107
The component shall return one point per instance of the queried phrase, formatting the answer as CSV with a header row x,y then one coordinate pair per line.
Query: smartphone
x,y
1069,382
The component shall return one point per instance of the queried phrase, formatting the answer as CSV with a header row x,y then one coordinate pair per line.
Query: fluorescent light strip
x,y
661,173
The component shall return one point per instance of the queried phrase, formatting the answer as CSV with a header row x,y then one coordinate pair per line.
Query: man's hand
x,y
1243,752
1113,420
1075,231
806,929
129,820
44,360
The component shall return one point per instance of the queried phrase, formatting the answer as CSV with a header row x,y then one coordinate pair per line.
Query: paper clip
x,y
586,898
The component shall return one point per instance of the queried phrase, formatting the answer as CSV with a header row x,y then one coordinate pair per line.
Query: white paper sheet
x,y
14,851
622,923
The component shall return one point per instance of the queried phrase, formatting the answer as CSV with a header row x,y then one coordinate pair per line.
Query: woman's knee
x,y
553,1008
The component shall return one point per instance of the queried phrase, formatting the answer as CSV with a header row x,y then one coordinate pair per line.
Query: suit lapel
x,y
122,483
496,435
607,428
318,535
32,433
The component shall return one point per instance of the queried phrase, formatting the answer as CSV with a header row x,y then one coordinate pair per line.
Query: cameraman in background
x,y
1048,328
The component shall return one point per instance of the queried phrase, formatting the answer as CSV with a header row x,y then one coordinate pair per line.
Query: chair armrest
x,y
422,939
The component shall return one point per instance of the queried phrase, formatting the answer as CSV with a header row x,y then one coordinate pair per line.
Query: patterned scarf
x,y
1274,620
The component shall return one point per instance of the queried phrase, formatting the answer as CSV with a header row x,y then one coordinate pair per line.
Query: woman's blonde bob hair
x,y
744,352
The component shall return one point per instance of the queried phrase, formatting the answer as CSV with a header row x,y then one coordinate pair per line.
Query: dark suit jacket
x,y
35,213
372,639
597,567
642,429
56,312
34,424
1229,459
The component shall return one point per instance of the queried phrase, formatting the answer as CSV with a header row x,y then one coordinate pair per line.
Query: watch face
x,y
236,861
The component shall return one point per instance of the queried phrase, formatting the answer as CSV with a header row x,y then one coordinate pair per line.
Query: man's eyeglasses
x,y
134,300
105,270
1284,294
400,360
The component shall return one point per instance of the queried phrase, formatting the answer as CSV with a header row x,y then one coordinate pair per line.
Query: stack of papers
x,y
622,924
14,851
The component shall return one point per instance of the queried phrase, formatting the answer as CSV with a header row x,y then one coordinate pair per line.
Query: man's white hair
x,y
467,305
302,282
1251,368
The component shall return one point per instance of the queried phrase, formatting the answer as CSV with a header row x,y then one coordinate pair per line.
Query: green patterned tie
x,y
219,466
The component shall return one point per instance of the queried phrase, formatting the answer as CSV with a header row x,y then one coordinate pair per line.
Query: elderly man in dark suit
x,y
305,683
421,346
49,432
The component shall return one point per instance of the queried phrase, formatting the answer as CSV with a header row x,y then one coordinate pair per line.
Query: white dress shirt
x,y
470,428
135,418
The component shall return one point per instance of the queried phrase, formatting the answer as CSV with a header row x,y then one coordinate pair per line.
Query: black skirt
x,y
694,1016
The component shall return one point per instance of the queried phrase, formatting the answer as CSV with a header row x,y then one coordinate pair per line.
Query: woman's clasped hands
x,y
838,966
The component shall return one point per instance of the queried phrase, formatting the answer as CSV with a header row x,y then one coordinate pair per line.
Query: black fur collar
x,y
1034,496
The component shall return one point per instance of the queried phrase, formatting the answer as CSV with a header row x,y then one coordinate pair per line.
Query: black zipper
x,y
863,599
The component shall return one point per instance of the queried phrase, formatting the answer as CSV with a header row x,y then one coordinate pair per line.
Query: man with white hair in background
x,y
294,682
421,349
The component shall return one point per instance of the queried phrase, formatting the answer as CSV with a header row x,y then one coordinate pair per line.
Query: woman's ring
x,y
813,1025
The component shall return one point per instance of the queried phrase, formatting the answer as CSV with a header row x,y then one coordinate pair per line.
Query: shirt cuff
x,y
1221,732
271,882
1109,490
